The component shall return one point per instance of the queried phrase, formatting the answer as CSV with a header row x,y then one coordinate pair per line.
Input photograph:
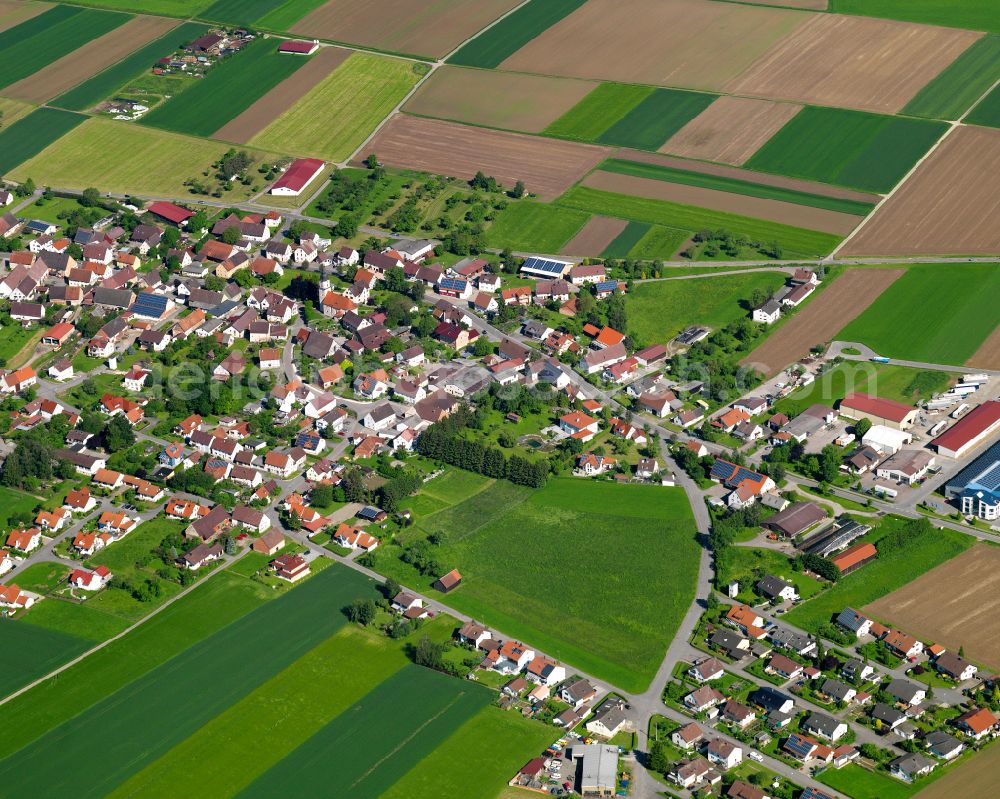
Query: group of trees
x,y
713,242
443,441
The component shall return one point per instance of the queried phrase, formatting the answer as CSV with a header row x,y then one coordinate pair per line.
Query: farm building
x,y
300,174
795,519
545,268
172,213
295,47
885,412
969,431
854,558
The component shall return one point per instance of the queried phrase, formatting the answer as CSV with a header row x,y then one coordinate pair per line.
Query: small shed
x,y
448,582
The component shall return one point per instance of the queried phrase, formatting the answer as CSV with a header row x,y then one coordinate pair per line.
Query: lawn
x,y
13,502
883,576
554,568
978,15
158,164
795,241
932,314
29,135
27,652
41,40
479,756
988,111
871,152
208,678
99,87
750,564
623,243
340,112
598,111
535,227
229,88
860,783
49,210
286,711
954,91
656,118
888,381
744,187
509,35
388,732
660,310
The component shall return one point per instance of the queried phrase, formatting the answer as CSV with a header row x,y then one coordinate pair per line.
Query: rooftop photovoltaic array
x,y
546,265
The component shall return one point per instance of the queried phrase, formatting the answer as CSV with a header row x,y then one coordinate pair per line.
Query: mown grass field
x,y
168,8
659,311
552,567
228,89
388,732
623,243
598,111
794,241
744,187
339,113
28,652
871,152
988,111
954,91
513,32
240,12
888,381
286,14
860,783
102,85
29,135
656,118
535,226
41,40
882,576
12,110
285,710
978,15
932,314
210,607
246,652
658,243
158,165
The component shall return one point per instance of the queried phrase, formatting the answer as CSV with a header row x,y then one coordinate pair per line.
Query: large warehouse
x,y
971,430
977,487
885,412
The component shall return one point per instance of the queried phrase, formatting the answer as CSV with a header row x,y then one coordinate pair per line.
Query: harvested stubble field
x,y
853,62
341,111
595,237
949,206
403,26
95,56
730,130
14,12
822,318
785,213
977,777
988,354
527,103
547,167
277,101
951,605
690,43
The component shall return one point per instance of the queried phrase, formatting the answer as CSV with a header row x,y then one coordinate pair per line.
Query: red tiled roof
x,y
877,406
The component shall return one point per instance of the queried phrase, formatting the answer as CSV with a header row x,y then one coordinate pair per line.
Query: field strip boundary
x,y
952,127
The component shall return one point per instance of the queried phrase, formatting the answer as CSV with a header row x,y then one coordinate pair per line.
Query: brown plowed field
x,y
975,777
954,604
806,5
548,167
595,236
820,320
95,56
403,26
950,205
528,103
853,62
745,174
283,96
988,354
14,12
730,130
693,43
774,210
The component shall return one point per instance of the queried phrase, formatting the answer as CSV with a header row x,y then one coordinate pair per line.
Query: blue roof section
x,y
607,285
452,284
547,266
731,474
983,474
798,745
151,305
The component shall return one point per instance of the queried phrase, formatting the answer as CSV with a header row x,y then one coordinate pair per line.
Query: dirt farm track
x,y
954,604
822,318
548,167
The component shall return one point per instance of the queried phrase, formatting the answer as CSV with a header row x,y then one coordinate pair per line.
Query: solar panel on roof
x,y
545,265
